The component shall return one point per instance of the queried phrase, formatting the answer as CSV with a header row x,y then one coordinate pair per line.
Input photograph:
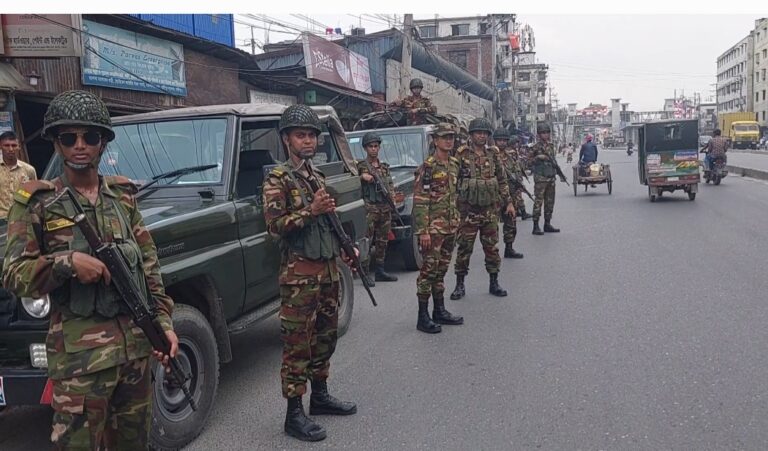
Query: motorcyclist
x,y
630,146
715,148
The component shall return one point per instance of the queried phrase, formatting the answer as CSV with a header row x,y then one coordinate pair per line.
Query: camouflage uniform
x,y
424,104
309,288
97,357
544,180
435,213
485,168
376,207
11,180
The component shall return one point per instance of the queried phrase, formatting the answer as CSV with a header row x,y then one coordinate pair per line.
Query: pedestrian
x,y
483,190
436,219
509,159
377,208
13,172
98,362
415,105
309,276
544,172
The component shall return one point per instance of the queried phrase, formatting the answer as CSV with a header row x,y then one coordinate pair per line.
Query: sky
x,y
641,58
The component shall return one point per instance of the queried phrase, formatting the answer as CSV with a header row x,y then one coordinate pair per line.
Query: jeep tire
x,y
174,423
411,253
346,297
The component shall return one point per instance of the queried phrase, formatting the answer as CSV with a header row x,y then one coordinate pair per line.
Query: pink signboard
x,y
332,63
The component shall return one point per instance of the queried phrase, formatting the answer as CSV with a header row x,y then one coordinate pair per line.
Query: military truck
x,y
218,262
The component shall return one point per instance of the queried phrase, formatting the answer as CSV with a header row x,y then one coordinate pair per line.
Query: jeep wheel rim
x,y
170,400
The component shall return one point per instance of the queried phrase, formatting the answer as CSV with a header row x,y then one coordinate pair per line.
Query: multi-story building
x,y
735,77
760,67
707,114
528,78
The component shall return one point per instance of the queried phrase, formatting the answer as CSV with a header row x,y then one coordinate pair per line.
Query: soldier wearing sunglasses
x,y
98,360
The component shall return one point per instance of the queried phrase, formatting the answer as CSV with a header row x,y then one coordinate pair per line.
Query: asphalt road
x,y
640,326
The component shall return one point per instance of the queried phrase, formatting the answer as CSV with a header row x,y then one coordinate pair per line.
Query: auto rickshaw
x,y
668,157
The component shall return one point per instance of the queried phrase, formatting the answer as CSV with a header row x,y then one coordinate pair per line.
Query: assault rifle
x,y
346,242
144,317
382,188
557,168
517,184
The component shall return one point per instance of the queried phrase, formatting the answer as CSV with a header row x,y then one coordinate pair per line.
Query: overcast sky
x,y
640,58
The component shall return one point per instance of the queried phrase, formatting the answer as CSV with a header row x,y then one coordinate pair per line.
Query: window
x,y
765,53
505,27
428,31
542,76
398,149
484,28
460,29
763,74
524,76
672,132
541,108
459,58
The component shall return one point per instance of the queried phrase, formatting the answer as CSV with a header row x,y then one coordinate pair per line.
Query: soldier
x,y
514,151
542,159
415,104
436,219
97,359
309,276
483,190
13,172
509,159
376,207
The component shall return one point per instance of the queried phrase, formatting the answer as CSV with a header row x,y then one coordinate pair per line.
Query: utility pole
x,y
493,68
253,43
405,56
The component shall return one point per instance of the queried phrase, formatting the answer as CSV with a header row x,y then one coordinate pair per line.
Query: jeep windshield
x,y
144,151
399,149
745,128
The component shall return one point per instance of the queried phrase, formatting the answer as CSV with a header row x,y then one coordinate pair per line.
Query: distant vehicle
x,y
741,128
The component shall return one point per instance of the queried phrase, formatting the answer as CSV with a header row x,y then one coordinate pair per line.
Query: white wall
x,y
442,94
760,68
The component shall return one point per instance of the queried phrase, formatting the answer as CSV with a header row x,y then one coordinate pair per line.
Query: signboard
x,y
334,64
40,35
256,96
122,59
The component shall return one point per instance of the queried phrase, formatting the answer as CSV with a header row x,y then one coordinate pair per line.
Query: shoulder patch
x,y
277,171
430,159
454,160
28,189
121,182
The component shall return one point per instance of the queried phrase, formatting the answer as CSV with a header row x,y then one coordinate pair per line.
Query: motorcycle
x,y
629,151
717,172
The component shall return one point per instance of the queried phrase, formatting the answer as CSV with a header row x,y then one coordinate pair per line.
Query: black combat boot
x,y
536,229
383,276
510,252
494,288
458,292
298,425
321,403
443,316
523,215
425,323
548,227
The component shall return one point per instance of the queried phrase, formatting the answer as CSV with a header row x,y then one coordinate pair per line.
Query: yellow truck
x,y
741,128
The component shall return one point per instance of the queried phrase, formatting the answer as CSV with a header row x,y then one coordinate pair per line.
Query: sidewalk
x,y
748,164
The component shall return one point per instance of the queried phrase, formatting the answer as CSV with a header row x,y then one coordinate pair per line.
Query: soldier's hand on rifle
x,y
163,358
511,210
89,269
322,203
367,177
345,258
425,242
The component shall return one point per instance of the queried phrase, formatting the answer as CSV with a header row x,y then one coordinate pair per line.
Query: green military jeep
x,y
218,262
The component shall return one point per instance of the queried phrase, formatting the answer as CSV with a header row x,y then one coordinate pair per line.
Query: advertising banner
x,y
122,59
336,65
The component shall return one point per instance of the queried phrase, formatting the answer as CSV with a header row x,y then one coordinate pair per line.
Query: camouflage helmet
x,y
302,116
371,137
77,108
501,133
543,127
443,129
480,124
416,83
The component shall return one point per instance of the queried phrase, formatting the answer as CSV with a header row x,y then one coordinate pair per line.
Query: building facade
x,y
735,77
760,67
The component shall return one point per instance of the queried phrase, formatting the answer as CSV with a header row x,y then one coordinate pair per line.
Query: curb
x,y
747,172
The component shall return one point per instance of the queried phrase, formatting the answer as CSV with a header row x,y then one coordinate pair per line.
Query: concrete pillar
x,y
615,114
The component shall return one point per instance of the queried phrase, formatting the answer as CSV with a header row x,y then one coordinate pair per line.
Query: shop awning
x,y
11,79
